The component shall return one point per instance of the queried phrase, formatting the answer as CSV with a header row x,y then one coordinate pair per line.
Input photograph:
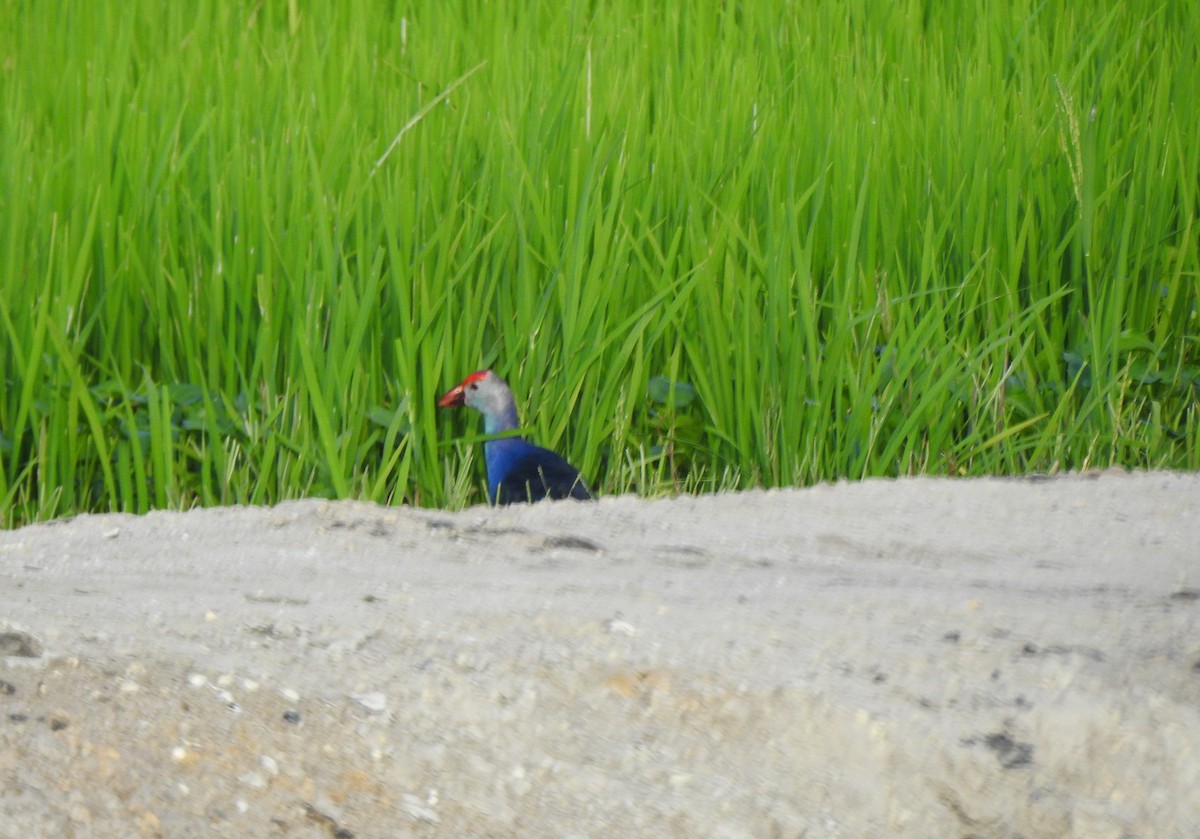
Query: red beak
x,y
454,397
458,395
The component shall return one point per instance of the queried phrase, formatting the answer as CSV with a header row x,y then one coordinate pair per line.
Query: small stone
x,y
417,809
254,780
80,814
269,763
374,701
289,694
197,680
616,626
19,644
112,534
292,717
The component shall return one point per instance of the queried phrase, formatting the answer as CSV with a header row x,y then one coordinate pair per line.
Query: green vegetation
x,y
245,246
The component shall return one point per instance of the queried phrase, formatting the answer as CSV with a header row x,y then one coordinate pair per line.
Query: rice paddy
x,y
245,246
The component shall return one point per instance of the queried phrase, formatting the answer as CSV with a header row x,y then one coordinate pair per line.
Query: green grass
x,y
244,246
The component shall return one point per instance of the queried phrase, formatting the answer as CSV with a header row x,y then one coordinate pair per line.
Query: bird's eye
x,y
474,386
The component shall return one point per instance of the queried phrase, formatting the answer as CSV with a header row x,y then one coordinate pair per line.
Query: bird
x,y
517,470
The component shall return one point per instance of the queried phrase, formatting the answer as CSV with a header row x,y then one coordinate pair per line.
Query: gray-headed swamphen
x,y
517,470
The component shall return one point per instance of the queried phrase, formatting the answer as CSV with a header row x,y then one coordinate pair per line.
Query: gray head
x,y
487,393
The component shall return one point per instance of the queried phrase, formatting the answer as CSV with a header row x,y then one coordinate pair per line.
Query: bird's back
x,y
537,474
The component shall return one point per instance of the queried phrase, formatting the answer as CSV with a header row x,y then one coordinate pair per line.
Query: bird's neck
x,y
501,421
500,454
